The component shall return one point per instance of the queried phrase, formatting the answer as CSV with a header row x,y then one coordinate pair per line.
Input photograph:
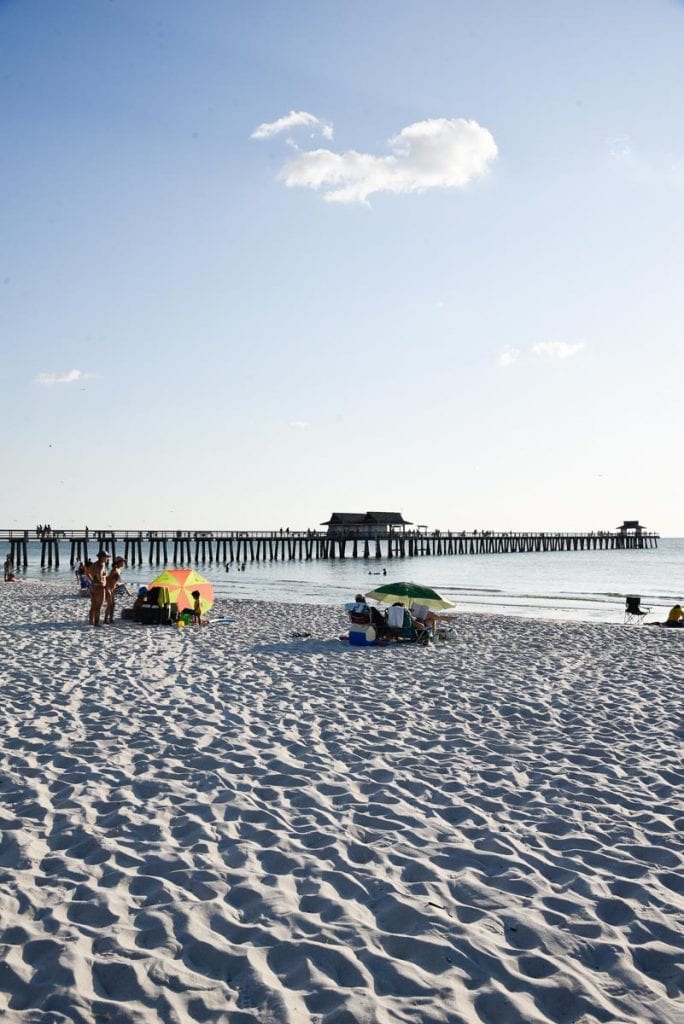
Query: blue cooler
x,y
362,636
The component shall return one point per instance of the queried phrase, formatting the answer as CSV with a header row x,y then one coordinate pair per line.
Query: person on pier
x,y
98,583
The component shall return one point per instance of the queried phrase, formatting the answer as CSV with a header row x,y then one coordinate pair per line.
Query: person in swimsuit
x,y
425,617
112,582
98,583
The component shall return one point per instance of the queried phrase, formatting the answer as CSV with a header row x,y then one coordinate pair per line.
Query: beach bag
x,y
151,615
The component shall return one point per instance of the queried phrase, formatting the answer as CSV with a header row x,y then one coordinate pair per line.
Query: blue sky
x,y
263,261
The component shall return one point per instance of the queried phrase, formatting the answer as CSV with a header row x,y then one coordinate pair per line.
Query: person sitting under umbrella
x,y
422,602
422,616
360,607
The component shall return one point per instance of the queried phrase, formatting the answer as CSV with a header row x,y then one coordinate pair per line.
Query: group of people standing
x,y
102,583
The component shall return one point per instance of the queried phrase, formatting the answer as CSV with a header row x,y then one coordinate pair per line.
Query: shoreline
x,y
571,587
237,824
65,588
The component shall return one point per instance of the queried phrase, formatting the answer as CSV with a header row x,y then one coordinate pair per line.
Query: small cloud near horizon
x,y
558,349
61,378
439,152
295,119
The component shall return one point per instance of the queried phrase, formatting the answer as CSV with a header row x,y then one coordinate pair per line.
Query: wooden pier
x,y
184,547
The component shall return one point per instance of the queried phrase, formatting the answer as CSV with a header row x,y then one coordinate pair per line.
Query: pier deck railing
x,y
182,547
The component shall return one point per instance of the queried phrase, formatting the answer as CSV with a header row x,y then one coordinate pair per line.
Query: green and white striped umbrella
x,y
410,593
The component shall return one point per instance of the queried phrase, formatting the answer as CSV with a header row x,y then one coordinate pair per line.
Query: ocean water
x,y
583,585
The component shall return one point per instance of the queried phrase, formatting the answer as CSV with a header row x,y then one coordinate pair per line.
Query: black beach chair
x,y
633,611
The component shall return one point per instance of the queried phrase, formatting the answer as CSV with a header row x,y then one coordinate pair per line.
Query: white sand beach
x,y
236,824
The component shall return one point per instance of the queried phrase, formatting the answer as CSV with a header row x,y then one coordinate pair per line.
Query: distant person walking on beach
x,y
112,582
9,567
98,583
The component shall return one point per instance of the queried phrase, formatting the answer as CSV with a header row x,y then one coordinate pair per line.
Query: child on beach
x,y
196,608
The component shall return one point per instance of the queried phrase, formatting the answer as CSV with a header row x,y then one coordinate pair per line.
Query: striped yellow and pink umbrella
x,y
181,583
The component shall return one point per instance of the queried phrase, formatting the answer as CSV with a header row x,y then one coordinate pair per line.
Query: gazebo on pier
x,y
364,525
632,526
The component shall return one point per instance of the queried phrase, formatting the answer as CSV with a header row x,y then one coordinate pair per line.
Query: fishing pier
x,y
183,547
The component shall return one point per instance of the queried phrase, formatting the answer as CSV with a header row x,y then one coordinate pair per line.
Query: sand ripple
x,y
238,825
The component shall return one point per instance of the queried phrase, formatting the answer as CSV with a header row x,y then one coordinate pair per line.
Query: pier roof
x,y
366,518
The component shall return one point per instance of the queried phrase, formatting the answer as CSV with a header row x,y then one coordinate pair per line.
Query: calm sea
x,y
586,585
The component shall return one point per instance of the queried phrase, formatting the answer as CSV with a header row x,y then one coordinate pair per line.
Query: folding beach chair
x,y
634,613
400,626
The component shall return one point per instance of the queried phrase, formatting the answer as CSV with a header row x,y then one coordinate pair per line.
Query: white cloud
x,y
620,147
558,349
508,356
61,378
649,166
436,153
295,119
